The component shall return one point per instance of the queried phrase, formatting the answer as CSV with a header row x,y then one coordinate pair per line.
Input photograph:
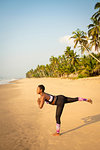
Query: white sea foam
x,y
6,81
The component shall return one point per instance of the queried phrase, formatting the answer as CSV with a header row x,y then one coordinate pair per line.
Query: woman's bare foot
x,y
89,100
56,134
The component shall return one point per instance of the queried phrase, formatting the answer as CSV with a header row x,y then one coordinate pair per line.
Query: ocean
x,y
6,81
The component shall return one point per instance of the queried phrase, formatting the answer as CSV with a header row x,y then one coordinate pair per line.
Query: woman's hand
x,y
38,101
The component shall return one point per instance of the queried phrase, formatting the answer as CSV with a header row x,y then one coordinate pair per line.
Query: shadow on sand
x,y
87,120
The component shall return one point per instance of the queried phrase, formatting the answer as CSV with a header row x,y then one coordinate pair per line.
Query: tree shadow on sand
x,y
87,120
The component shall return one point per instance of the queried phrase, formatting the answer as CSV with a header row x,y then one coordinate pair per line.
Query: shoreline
x,y
87,78
7,81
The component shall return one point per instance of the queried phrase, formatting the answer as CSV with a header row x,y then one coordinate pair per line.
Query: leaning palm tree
x,y
81,38
94,33
97,14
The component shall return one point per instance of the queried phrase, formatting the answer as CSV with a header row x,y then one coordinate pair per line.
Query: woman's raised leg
x,y
74,99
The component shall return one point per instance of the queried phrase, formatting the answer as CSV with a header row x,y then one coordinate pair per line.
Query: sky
x,y
31,31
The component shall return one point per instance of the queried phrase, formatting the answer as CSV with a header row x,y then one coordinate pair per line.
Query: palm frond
x,y
90,26
97,5
97,15
75,44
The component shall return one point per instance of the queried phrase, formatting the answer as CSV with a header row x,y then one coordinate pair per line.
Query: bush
x,y
82,75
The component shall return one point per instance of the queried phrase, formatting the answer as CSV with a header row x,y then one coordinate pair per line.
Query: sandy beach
x,y
23,126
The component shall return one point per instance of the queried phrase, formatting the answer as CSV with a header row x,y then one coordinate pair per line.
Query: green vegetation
x,y
70,64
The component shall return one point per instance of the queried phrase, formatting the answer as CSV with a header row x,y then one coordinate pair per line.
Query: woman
x,y
59,100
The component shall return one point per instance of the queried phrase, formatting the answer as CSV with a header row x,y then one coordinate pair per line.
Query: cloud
x,y
67,40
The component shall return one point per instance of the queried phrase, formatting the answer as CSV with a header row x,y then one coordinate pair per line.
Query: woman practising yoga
x,y
59,100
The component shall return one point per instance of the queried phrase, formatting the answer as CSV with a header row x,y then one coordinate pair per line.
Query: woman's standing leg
x,y
59,110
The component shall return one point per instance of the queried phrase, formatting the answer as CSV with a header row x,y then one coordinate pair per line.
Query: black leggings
x,y
61,101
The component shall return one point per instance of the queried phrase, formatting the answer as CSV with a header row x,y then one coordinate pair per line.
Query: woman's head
x,y
40,89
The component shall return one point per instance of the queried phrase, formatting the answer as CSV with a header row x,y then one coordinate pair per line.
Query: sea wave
x,y
6,81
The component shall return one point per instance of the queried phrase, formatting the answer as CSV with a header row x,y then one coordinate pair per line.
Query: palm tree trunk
x,y
75,70
91,54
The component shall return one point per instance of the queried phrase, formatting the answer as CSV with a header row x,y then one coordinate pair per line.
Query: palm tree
x,y
97,14
94,33
72,57
62,65
53,60
54,64
81,38
48,70
42,70
29,74
94,28
67,51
